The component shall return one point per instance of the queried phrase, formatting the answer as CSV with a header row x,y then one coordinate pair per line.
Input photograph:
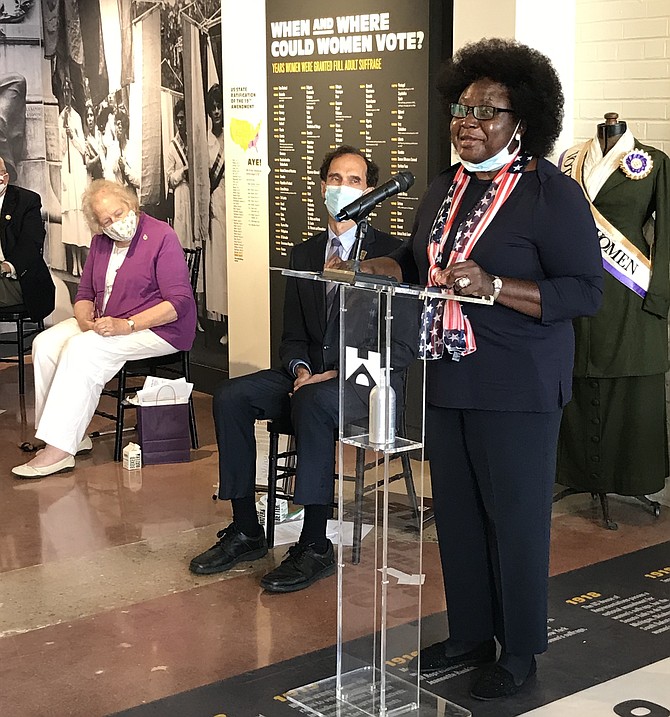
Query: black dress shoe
x,y
495,682
301,567
439,656
233,547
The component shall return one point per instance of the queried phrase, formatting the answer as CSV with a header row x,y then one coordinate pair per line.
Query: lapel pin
x,y
8,217
636,164
145,237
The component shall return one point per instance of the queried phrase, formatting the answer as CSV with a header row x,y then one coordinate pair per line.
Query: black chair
x,y
177,364
281,467
25,329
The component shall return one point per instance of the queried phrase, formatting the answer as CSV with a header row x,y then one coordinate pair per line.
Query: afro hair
x,y
532,84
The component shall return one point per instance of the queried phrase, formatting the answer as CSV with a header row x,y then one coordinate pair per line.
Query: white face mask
x,y
499,160
338,197
3,185
123,229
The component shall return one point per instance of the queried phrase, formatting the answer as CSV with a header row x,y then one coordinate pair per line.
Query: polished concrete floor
x,y
98,611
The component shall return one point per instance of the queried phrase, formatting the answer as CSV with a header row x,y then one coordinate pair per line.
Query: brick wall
x,y
622,64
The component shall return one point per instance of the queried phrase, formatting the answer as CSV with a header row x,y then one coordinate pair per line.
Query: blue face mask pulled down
x,y
338,197
499,160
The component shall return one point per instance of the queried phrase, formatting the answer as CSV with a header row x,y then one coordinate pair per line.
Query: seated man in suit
x,y
24,277
305,387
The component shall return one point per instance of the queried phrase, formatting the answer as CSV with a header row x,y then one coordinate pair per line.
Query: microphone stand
x,y
354,262
353,273
361,233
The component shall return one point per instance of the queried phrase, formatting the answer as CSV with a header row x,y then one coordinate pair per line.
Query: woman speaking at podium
x,y
505,223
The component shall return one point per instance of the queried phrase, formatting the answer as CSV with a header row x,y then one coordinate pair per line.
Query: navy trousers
x,y
314,409
492,476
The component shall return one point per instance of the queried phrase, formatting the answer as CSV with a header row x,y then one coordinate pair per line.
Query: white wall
x,y
623,65
542,24
550,28
475,20
611,56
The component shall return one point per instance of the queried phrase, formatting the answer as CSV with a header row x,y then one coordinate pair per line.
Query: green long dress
x,y
613,436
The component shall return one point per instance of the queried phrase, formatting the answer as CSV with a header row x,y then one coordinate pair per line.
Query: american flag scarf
x,y
443,323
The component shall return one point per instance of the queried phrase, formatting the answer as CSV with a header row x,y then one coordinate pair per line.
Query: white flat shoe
x,y
26,471
85,445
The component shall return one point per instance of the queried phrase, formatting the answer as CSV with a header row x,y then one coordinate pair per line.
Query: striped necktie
x,y
335,249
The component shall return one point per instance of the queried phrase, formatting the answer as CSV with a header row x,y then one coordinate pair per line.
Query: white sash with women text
x,y
621,258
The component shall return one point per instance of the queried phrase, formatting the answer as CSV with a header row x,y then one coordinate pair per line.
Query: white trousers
x,y
71,368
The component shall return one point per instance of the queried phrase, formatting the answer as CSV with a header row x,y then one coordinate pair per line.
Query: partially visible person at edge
x,y
134,302
24,277
501,223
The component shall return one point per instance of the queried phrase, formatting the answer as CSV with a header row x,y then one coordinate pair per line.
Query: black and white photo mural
x,y
128,91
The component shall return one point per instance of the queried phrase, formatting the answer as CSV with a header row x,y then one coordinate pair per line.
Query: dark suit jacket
x,y
22,239
308,335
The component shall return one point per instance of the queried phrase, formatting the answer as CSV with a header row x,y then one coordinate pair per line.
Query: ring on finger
x,y
463,282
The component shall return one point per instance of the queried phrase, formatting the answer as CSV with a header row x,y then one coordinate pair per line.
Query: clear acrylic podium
x,y
378,598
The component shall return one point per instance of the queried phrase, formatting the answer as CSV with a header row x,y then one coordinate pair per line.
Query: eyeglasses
x,y
480,112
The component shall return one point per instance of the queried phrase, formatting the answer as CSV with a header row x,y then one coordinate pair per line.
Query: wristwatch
x,y
131,323
497,287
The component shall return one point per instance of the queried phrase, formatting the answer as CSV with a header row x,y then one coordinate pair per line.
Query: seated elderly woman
x,y
134,302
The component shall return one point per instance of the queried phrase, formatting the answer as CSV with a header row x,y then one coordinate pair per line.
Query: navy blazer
x,y
545,233
22,238
308,334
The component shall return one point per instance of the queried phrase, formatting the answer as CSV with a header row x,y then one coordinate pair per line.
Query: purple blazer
x,y
154,270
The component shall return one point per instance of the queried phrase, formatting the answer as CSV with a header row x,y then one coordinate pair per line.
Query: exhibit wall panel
x,y
362,75
358,76
245,126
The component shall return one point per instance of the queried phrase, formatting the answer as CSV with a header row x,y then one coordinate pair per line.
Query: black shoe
x,y
233,547
438,657
495,682
301,567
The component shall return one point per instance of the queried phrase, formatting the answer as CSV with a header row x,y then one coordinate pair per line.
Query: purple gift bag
x,y
164,433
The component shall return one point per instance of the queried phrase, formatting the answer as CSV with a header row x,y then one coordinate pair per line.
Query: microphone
x,y
362,206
